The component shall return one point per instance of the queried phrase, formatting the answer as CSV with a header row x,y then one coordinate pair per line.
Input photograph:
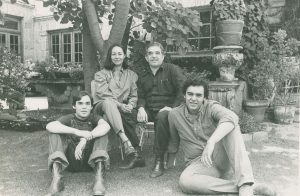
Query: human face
x,y
117,55
155,56
194,97
83,107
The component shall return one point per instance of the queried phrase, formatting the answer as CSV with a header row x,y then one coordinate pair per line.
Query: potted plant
x,y
261,83
287,74
52,70
229,16
248,123
227,62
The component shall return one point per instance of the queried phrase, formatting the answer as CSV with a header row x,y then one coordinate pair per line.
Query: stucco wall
x,y
43,21
25,12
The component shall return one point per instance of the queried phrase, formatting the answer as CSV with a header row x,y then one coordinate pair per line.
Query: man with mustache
x,y
159,90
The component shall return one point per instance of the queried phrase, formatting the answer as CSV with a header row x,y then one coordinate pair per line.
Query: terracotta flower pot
x,y
229,32
257,108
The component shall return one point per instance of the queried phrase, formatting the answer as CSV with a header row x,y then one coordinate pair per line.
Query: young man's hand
x,y
79,149
84,134
207,154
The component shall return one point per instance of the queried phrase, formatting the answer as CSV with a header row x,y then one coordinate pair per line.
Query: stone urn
x,y
227,59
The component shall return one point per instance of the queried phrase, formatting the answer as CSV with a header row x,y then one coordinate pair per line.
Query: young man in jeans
x,y
78,142
212,143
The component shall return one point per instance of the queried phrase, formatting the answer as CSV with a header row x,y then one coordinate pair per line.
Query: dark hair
x,y
155,44
78,97
195,82
109,64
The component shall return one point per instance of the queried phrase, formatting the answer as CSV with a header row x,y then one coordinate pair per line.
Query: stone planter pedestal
x,y
227,59
229,94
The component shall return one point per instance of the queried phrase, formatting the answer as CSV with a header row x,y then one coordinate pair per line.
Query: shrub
x,y
12,79
248,124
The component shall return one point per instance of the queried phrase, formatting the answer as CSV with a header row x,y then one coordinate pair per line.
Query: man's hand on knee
x,y
207,154
142,115
79,149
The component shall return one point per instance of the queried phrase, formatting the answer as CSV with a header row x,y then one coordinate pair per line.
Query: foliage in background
x,y
261,76
284,48
291,18
268,77
228,10
255,36
12,78
32,120
49,67
196,74
167,22
248,124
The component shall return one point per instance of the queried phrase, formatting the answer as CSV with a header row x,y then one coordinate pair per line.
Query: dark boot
x,y
158,169
57,183
129,150
137,160
99,188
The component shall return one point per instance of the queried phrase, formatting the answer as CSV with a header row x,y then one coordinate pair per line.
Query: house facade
x,y
31,31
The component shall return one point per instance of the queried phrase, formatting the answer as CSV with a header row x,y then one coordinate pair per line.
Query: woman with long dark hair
x,y
116,97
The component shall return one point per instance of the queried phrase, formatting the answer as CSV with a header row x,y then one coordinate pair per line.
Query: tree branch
x,y
92,18
119,22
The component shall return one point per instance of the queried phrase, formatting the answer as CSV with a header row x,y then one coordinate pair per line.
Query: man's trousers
x,y
62,149
161,128
229,153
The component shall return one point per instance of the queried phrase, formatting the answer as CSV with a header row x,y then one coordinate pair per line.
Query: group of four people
x,y
209,133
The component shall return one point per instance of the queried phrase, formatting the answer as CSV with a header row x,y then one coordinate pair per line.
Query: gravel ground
x,y
23,163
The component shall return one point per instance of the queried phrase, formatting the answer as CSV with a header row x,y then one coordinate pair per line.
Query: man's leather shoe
x,y
257,189
57,183
136,161
158,169
99,188
128,148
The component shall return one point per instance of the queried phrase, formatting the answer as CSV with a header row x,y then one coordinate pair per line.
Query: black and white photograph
x,y
149,97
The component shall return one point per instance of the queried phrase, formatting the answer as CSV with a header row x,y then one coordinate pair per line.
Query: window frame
x,y
8,33
61,42
205,52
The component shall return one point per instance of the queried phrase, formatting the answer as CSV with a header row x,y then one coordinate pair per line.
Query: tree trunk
x,y
89,53
126,32
93,24
93,40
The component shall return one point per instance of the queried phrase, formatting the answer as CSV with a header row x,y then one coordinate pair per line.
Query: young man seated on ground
x,y
78,142
212,144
